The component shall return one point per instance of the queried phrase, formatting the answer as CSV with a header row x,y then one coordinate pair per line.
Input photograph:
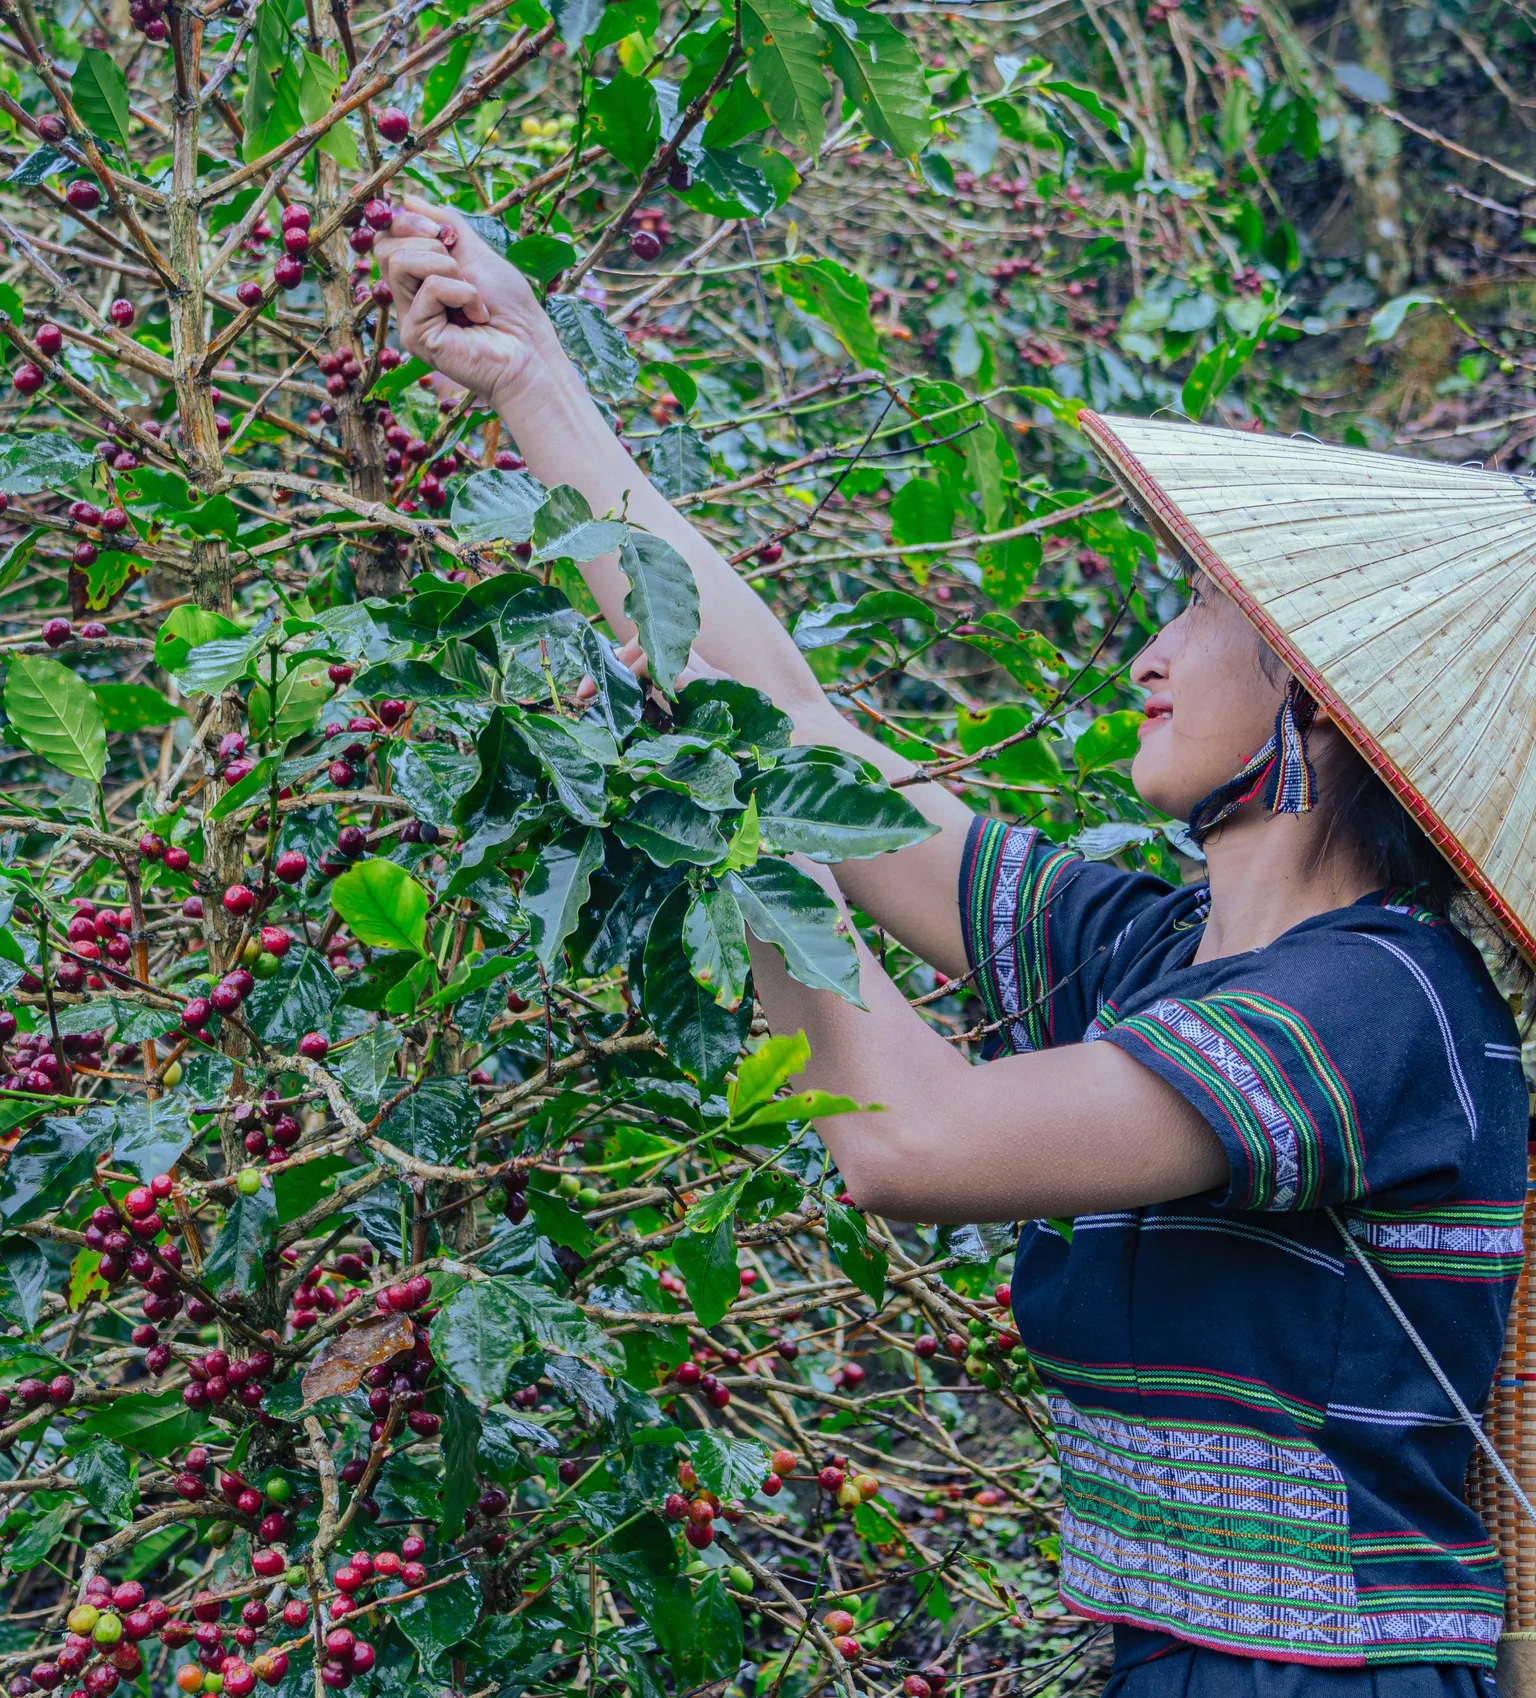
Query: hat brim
x,y
1172,489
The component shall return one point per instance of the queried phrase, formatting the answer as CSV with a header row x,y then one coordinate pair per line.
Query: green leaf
x,y
597,347
39,165
564,529
856,1256
24,1277
1388,320
707,1260
880,72
133,707
541,256
557,745
411,680
715,940
679,462
476,1336
211,666
366,1065
155,1423
672,830
31,464
783,907
729,1467
383,904
187,628
303,692
1090,103
51,1160
577,19
701,1038
1111,737
435,1123
107,1480
436,1621
54,713
99,91
557,889
298,998
432,778
663,602
921,511
559,1222
784,68
250,1225
627,120
718,1206
461,1443
40,1538
832,812
766,1071
442,81
832,293
149,1137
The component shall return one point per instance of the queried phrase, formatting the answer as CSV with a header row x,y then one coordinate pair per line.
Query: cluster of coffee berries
x,y
42,1065
215,1378
848,1488
57,632
101,1645
148,18
701,1510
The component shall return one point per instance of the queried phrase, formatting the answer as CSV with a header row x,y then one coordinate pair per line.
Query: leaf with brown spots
x,y
344,1359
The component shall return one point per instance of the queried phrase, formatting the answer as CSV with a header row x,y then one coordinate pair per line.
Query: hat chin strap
x,y
1280,773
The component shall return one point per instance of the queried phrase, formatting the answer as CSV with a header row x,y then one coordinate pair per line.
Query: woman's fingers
x,y
433,302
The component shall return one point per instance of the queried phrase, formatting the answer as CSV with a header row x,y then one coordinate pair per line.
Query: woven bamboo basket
x,y
1510,1421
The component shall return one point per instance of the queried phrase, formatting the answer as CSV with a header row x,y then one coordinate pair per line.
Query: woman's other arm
x,y
505,350
1076,1130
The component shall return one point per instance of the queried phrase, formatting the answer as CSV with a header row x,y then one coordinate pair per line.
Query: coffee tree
x,y
417,1267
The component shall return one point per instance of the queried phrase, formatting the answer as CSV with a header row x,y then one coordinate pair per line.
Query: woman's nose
x,y
1150,667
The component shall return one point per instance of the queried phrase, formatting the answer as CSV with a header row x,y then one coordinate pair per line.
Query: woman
x,y
1261,1477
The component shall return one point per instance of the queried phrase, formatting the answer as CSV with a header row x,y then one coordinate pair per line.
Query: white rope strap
x,y
1500,1466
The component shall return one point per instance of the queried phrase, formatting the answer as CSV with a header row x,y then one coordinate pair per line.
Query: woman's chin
x,y
1168,792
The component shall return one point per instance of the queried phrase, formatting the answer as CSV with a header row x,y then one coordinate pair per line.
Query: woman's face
x,y
1209,702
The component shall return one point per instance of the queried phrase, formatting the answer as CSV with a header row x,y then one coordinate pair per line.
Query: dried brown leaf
x,y
344,1359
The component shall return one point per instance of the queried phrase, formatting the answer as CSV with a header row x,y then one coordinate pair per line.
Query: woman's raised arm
x,y
472,316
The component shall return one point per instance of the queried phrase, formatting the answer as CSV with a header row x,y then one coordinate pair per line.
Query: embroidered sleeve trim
x,y
1263,1079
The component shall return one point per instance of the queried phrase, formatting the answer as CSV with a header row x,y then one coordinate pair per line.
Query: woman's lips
x,y
1156,709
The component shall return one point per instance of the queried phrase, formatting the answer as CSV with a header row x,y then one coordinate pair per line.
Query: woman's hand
x,y
463,309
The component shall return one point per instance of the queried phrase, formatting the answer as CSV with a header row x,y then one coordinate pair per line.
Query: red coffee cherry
x,y
28,379
57,632
291,867
250,293
121,312
49,338
645,245
314,1045
239,900
83,195
393,124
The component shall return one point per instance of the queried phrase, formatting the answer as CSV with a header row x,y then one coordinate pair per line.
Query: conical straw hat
x,y
1401,592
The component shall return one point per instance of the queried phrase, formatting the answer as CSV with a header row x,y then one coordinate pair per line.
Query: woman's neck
x,y
1269,872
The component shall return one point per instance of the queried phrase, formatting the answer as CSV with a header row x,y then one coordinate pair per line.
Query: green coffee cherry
x,y
277,1488
739,1578
975,1367
991,1379
589,1196
251,954
568,1185
172,1076
265,965
294,1576
1019,1355
249,1182
220,1533
108,1629
1021,1385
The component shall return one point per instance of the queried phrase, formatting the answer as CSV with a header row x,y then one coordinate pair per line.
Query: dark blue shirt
x,y
1253,1455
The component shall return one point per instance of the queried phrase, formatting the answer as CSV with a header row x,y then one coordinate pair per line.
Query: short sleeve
x,y
1040,925
1343,1060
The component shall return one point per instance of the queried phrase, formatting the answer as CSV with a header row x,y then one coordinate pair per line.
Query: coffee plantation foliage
x,y
418,1268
